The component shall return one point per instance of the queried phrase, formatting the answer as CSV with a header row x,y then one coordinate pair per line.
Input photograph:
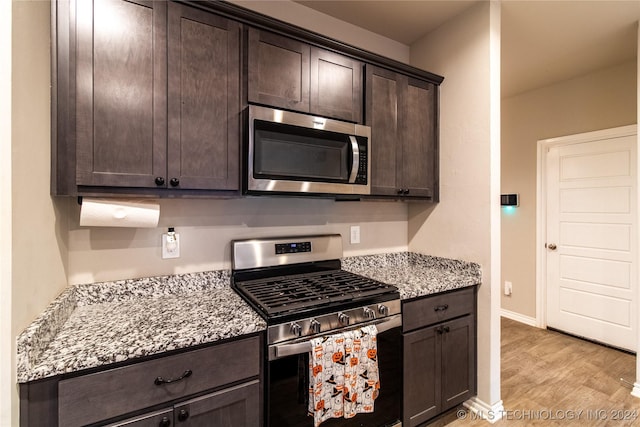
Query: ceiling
x,y
543,42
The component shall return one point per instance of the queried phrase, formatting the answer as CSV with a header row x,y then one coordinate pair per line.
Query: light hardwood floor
x,y
564,380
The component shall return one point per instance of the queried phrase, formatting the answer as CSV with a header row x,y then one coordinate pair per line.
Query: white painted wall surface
x,y
302,16
636,386
39,222
600,100
8,396
39,225
206,228
465,224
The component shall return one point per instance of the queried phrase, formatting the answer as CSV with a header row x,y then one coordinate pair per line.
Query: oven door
x,y
296,153
288,383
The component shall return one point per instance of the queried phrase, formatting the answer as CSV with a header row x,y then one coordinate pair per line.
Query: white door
x,y
591,244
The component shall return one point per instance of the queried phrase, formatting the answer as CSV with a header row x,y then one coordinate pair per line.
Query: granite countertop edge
x,y
98,324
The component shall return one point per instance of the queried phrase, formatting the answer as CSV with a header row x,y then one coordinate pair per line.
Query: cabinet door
x,y
120,92
204,100
336,86
382,108
278,71
419,136
458,361
421,376
233,407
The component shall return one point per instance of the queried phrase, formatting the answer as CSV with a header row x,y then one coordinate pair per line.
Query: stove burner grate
x,y
285,294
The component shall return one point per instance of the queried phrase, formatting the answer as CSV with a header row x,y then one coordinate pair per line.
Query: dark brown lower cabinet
x,y
439,357
421,378
233,407
217,385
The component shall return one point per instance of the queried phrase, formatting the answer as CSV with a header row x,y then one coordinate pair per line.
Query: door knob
x,y
552,246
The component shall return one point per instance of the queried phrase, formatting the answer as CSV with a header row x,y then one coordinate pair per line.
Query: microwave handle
x,y
356,159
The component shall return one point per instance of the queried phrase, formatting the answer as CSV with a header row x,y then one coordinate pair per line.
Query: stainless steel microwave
x,y
289,153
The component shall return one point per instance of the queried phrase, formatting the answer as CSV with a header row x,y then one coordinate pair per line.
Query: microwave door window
x,y
300,157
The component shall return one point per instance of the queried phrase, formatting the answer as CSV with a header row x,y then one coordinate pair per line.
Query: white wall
x,y
465,224
38,224
599,100
302,16
8,398
206,228
636,386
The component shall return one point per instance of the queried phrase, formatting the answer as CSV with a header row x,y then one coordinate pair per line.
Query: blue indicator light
x,y
509,209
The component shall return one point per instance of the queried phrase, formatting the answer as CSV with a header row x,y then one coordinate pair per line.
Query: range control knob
x,y
295,329
343,319
383,309
369,314
314,325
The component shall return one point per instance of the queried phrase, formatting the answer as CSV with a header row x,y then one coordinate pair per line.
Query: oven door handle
x,y
356,159
279,351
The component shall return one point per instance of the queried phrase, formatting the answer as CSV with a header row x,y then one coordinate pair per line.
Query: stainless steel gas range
x,y
297,285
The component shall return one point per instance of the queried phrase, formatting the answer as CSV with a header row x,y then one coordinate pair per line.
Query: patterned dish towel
x,y
343,374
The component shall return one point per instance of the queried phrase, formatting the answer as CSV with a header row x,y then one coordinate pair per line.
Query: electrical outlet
x,y
508,288
170,244
355,234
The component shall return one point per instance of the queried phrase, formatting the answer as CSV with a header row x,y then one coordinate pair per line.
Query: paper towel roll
x,y
119,213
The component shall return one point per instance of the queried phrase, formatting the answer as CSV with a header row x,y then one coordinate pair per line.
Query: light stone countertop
x,y
98,324
416,275
103,323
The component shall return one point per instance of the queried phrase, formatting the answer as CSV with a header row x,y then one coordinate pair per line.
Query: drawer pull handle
x,y
185,374
183,415
441,307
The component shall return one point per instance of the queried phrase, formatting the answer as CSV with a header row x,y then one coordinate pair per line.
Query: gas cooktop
x,y
281,295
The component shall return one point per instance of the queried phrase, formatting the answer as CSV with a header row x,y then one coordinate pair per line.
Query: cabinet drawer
x,y
437,308
100,396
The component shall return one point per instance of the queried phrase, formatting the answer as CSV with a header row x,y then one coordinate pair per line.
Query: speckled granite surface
x,y
416,274
102,323
98,324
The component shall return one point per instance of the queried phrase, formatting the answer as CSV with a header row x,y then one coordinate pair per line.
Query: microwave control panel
x,y
361,177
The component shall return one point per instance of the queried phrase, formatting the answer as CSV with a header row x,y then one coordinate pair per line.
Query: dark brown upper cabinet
x,y
336,86
147,98
121,101
293,75
278,71
204,100
402,112
155,87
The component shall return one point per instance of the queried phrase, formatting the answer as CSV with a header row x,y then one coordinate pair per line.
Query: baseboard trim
x,y
635,392
491,413
531,321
